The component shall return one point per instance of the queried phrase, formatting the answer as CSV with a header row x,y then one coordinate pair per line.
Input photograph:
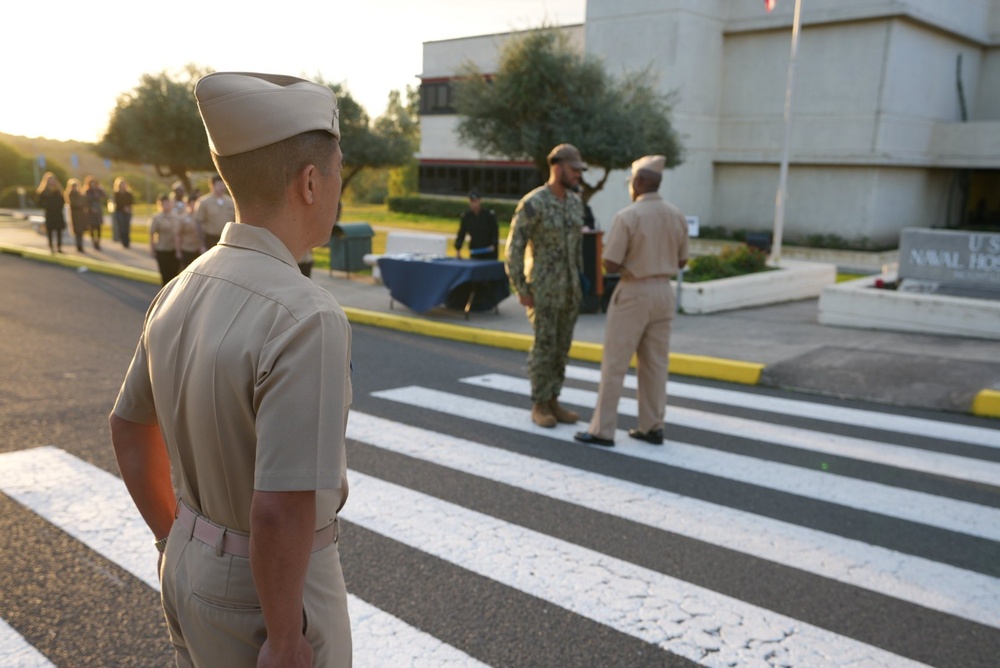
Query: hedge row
x,y
446,207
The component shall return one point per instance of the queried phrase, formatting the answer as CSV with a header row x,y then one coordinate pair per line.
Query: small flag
x,y
769,4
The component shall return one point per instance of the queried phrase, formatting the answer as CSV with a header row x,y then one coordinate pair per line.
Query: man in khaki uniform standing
x,y
213,211
647,244
544,260
240,388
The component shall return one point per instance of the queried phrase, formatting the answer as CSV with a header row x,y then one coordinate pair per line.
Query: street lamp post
x,y
782,195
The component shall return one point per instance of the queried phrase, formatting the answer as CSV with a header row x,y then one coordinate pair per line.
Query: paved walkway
x,y
780,346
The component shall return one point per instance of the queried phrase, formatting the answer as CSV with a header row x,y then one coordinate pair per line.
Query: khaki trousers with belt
x,y
214,615
639,319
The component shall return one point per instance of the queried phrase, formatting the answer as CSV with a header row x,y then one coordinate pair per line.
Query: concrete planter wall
x,y
858,304
861,262
793,281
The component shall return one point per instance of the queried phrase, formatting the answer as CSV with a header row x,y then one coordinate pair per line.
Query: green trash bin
x,y
349,244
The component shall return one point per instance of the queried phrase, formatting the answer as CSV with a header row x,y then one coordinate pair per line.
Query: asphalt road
x,y
776,538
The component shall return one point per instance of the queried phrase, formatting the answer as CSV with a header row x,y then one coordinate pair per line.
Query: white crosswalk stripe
x,y
705,626
49,481
15,652
853,416
937,586
687,620
904,504
962,468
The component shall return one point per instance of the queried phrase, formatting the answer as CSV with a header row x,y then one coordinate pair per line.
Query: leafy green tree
x,y
157,123
403,179
545,93
386,142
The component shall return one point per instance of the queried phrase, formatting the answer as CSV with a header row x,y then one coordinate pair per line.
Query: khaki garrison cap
x,y
650,163
569,154
244,111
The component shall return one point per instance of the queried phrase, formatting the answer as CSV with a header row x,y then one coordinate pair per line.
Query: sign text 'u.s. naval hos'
x,y
967,258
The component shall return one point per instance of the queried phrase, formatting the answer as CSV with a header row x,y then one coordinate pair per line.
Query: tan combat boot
x,y
561,414
542,415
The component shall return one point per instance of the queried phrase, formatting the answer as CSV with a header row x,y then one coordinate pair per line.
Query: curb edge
x,y
987,404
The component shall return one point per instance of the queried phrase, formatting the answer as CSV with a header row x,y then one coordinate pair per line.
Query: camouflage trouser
x,y
550,350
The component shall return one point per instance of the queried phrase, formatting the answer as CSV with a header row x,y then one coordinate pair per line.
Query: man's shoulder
x,y
539,194
533,202
654,202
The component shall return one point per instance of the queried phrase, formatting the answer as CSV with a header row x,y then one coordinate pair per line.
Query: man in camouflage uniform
x,y
544,260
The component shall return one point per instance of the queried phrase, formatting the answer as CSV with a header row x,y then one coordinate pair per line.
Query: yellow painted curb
x,y
747,373
98,266
486,337
987,404
716,368
699,366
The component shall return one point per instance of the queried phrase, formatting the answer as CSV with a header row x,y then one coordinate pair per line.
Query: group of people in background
x,y
85,202
187,226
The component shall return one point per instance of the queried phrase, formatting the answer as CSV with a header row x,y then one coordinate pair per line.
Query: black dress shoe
x,y
590,439
654,436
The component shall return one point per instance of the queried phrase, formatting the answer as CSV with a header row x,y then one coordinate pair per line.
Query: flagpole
x,y
779,205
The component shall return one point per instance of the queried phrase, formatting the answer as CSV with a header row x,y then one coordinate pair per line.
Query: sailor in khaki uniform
x,y
647,244
213,211
240,388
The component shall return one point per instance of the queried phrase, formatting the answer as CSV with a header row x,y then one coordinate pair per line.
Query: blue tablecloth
x,y
423,284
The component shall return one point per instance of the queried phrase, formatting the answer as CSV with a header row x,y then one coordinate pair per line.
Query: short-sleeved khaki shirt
x,y
212,213
187,233
163,231
245,365
648,238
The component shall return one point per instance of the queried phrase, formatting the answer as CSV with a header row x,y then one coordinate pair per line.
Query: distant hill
x,y
63,151
88,162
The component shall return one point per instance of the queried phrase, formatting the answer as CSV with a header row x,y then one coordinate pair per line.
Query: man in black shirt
x,y
481,227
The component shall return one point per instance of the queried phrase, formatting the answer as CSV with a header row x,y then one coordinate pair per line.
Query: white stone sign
x,y
966,259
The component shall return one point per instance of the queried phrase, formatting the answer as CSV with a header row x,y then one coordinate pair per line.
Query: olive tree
x,y
157,123
545,93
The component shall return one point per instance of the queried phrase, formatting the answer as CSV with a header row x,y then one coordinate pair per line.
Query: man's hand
x,y
301,656
526,300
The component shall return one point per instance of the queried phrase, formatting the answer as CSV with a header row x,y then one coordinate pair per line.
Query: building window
x,y
436,98
496,182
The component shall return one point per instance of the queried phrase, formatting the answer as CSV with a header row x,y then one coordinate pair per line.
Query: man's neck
x,y
557,189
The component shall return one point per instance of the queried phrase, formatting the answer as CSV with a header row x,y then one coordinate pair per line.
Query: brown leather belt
x,y
237,543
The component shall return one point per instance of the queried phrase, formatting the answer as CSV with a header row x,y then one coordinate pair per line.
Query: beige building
x,y
896,116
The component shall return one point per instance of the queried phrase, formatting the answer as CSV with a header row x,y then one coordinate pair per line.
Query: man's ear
x,y
307,183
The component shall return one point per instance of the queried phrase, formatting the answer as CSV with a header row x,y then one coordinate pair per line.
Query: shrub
x,y
732,261
9,199
446,207
745,259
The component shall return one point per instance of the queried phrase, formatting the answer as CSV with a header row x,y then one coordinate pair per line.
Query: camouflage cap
x,y
568,154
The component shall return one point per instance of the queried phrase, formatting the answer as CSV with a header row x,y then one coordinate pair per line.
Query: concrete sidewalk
x,y
779,346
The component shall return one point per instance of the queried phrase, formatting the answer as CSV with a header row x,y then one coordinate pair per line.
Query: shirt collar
x,y
250,237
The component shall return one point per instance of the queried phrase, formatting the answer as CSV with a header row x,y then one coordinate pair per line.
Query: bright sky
x,y
65,63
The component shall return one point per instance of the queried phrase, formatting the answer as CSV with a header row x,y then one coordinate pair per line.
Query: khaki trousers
x,y
214,616
638,321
